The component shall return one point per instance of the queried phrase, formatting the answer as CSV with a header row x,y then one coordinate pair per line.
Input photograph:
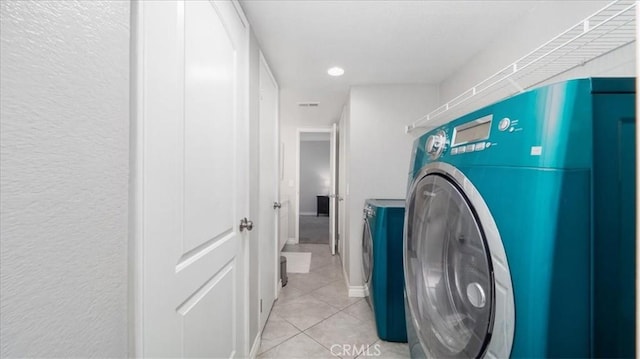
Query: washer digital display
x,y
476,130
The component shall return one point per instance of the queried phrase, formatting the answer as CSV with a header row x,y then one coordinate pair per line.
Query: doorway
x,y
314,188
316,208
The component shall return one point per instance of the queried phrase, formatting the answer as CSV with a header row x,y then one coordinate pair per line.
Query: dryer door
x,y
367,252
450,278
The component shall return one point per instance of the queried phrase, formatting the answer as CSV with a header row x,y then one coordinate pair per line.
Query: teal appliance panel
x,y
555,167
385,220
614,165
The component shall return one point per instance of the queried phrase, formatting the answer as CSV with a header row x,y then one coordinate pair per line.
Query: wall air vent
x,y
308,104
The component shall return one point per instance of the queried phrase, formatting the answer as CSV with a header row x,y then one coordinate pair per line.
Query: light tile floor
x,y
315,318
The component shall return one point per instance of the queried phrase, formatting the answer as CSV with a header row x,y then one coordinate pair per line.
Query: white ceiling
x,y
376,42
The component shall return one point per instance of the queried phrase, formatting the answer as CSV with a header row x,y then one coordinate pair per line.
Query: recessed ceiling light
x,y
336,71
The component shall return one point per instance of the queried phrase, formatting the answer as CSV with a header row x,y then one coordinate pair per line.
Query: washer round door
x,y
367,252
457,279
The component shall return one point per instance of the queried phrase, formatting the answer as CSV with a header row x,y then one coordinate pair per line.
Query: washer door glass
x,y
449,277
367,252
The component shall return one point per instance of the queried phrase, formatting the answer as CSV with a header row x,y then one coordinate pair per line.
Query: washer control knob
x,y
435,144
504,124
367,212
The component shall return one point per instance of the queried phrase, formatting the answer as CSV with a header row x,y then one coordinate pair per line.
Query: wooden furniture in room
x,y
322,206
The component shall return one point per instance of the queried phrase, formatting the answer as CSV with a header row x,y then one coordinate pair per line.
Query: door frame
x,y
334,202
296,212
135,238
276,138
343,215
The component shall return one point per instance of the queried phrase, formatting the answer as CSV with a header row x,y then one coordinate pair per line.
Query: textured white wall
x,y
314,173
64,156
379,151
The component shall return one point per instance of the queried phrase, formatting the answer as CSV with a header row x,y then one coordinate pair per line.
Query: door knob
x,y
246,224
276,205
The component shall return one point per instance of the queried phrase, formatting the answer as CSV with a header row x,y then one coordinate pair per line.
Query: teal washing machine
x,y
520,224
382,266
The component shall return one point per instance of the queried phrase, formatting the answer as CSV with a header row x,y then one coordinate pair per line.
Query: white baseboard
x,y
292,241
256,346
308,213
357,291
344,273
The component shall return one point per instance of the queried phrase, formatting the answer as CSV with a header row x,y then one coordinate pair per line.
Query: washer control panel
x,y
471,136
474,136
472,147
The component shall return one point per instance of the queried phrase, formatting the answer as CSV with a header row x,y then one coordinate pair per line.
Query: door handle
x,y
246,224
277,205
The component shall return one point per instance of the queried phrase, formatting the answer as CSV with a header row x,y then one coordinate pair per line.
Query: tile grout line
x,y
313,325
320,271
299,330
350,305
296,334
304,332
322,345
377,340
333,307
320,322
329,304
282,342
271,314
326,265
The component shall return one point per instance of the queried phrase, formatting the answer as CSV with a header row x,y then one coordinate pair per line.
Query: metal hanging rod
x,y
608,29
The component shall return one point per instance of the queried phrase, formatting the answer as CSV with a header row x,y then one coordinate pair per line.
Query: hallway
x,y
314,229
315,318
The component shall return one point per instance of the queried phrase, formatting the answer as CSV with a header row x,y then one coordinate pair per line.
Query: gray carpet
x,y
314,229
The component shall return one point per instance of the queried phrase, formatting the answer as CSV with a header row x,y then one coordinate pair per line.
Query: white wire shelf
x,y
610,28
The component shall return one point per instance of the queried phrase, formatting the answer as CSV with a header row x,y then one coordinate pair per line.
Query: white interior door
x,y
191,179
268,198
333,195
